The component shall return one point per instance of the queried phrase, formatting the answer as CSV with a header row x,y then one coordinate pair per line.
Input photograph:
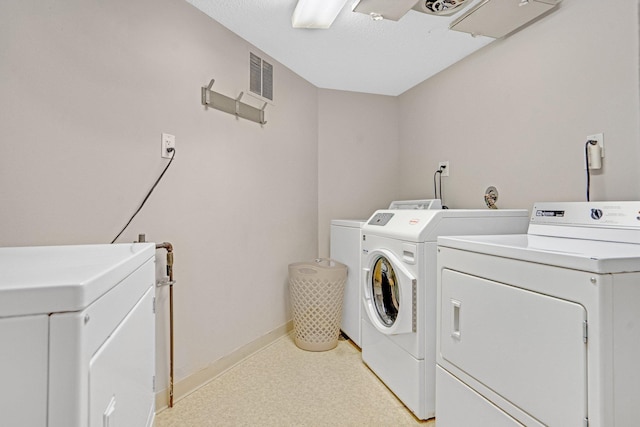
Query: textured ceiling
x,y
356,54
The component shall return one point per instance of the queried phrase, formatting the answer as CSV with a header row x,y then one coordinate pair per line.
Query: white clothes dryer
x,y
77,334
399,291
542,329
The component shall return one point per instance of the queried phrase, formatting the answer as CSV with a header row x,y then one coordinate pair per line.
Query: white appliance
x,y
345,248
399,292
542,328
77,335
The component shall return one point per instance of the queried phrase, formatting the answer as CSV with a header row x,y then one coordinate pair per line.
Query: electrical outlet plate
x,y
445,171
168,141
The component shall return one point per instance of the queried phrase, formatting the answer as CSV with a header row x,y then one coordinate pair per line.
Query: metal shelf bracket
x,y
229,105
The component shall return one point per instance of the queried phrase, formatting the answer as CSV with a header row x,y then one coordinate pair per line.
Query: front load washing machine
x,y
542,329
399,291
346,236
77,335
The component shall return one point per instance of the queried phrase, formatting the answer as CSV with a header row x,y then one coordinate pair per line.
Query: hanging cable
x,y
170,150
440,187
435,189
586,160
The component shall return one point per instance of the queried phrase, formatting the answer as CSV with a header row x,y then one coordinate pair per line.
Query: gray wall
x,y
87,88
516,113
358,141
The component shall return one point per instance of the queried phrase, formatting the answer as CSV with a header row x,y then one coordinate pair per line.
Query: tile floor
x,y
282,385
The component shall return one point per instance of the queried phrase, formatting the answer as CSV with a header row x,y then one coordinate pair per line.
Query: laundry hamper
x,y
316,290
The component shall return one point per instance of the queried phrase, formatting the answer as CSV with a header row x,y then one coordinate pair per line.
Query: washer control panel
x,y
381,218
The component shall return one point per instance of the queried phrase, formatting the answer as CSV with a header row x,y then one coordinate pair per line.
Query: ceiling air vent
x,y
439,7
260,77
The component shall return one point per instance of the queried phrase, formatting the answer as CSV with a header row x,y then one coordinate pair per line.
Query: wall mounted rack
x,y
232,106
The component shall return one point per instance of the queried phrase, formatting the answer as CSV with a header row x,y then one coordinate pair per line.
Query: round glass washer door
x,y
385,291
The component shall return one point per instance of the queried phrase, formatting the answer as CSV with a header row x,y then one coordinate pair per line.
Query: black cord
x,y
440,185
148,194
586,160
435,191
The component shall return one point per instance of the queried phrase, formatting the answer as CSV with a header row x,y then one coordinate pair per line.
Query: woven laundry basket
x,y
317,290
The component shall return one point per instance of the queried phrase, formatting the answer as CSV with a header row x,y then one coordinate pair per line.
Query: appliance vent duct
x,y
497,18
439,7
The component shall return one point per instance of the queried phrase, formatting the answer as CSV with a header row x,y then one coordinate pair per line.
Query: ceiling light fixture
x,y
316,13
376,16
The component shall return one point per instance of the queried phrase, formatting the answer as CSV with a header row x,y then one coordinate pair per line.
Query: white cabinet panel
x,y
345,248
458,405
525,346
120,374
23,370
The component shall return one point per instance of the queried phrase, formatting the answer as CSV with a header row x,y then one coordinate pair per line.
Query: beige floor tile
x,y
282,385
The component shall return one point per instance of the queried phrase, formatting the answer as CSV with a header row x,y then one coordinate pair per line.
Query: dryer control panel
x,y
588,214
606,221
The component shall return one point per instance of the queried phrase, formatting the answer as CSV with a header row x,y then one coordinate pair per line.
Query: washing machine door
x,y
389,293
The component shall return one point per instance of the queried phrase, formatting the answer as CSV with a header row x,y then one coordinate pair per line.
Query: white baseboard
x,y
199,379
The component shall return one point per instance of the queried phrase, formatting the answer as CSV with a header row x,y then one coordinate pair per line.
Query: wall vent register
x,y
260,77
